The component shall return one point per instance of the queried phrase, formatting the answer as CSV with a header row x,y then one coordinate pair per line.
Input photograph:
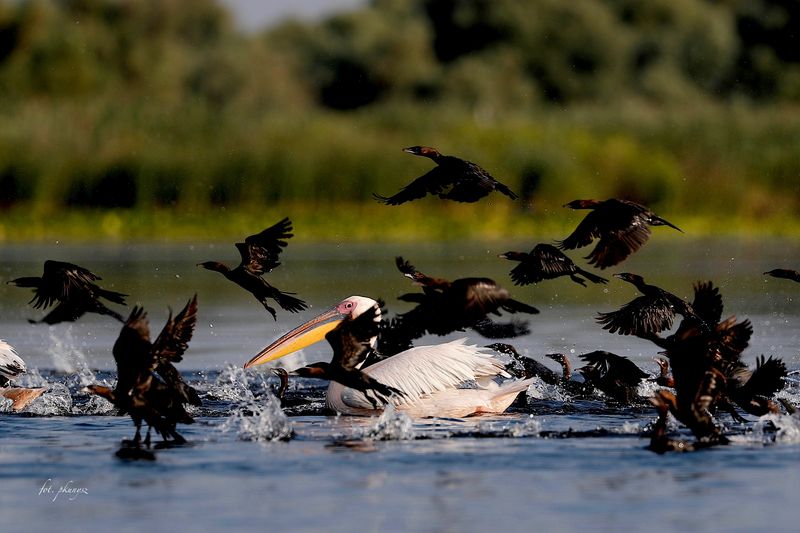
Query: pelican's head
x,y
314,330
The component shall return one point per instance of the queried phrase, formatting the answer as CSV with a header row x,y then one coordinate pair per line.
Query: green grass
x,y
427,220
78,170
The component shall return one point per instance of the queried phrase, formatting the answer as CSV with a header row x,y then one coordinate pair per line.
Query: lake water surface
x,y
251,467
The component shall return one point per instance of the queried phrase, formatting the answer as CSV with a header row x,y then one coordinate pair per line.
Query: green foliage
x,y
142,108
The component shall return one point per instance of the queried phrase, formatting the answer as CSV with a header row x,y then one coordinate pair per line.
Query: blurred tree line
x,y
162,103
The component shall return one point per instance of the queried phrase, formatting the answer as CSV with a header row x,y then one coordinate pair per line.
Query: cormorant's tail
x,y
591,277
513,306
111,296
505,190
289,302
103,310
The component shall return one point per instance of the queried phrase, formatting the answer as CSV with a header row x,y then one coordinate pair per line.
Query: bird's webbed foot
x,y
270,310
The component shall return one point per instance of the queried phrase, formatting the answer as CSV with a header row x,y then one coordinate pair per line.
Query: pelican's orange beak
x,y
304,335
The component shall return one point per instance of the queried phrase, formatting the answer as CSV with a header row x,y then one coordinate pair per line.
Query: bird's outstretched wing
x,y
588,229
172,342
432,182
707,303
260,252
641,316
615,367
615,246
545,261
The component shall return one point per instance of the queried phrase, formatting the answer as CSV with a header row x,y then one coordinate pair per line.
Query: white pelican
x,y
12,365
430,378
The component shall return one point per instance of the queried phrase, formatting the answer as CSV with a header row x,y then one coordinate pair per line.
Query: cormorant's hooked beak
x,y
304,335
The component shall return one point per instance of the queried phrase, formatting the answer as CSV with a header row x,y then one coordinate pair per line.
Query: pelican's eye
x,y
346,307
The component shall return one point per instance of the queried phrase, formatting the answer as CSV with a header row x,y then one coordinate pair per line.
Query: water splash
x,y
256,419
67,357
629,428
260,422
56,401
391,425
95,405
514,428
647,388
32,379
5,404
237,386
530,427
776,428
539,390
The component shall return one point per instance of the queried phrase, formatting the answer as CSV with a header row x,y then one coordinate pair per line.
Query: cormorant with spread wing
x,y
546,261
149,387
452,179
260,256
526,367
621,226
707,369
447,306
73,288
648,314
616,376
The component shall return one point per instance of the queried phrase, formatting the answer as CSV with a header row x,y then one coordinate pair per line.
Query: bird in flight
x,y
260,256
452,179
73,288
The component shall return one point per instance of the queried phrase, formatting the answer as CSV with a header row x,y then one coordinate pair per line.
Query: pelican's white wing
x,y
11,364
429,377
427,369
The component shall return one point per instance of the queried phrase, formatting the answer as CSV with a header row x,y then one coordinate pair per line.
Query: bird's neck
x,y
586,204
27,282
433,155
217,267
566,369
318,370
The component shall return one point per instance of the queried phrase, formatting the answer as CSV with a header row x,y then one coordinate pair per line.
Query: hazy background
x,y
183,119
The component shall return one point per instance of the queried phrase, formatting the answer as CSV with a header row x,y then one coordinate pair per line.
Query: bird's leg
x,y
137,438
728,406
177,438
147,437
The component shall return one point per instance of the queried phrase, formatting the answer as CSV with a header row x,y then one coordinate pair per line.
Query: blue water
x,y
251,467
